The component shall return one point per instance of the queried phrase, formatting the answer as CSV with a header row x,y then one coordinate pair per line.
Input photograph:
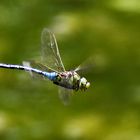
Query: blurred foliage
x,y
106,31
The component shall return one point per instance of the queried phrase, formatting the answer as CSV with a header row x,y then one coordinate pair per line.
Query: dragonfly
x,y
52,67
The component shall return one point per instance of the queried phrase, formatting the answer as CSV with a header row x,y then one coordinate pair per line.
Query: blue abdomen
x,y
50,75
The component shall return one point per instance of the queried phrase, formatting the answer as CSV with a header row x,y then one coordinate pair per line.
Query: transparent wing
x,y
50,53
64,95
86,66
39,66
51,58
31,64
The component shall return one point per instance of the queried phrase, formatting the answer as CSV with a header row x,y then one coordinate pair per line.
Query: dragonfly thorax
x,y
71,80
68,79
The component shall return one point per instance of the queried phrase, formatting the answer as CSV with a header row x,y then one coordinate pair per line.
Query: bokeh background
x,y
107,32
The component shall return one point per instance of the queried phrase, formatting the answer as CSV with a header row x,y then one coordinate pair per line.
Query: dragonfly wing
x,y
64,95
36,65
27,64
86,66
50,53
51,58
40,66
31,65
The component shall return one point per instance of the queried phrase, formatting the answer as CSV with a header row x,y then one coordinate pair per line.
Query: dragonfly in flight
x,y
53,69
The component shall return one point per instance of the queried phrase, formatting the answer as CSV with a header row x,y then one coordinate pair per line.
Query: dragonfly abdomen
x,y
50,75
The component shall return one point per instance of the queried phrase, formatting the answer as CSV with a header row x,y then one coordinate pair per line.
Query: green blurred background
x,y
108,31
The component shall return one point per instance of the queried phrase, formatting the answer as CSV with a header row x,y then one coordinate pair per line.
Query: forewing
x,y
50,53
86,66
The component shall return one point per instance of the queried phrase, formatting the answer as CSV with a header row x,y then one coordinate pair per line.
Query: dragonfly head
x,y
84,84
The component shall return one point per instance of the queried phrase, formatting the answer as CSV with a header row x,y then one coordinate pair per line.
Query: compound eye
x,y
87,85
83,81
